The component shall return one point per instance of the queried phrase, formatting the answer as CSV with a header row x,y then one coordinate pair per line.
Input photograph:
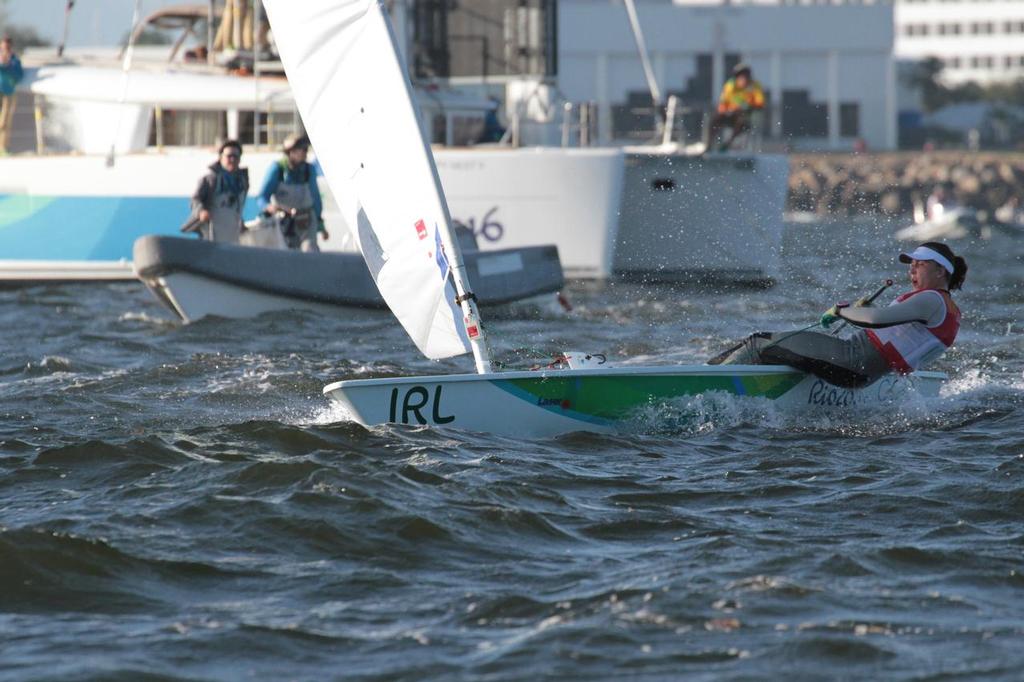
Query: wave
x,y
58,572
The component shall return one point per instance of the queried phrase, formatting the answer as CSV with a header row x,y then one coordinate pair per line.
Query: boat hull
x,y
62,215
192,297
522,197
194,278
709,219
953,224
547,403
715,218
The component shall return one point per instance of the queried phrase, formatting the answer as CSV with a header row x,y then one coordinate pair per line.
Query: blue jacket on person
x,y
10,75
280,172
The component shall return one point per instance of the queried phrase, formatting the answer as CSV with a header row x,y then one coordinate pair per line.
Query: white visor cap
x,y
924,253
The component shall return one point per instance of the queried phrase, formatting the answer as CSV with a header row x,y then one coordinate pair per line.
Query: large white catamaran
x,y
356,100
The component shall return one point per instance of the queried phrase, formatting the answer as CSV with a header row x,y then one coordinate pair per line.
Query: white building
x,y
827,69
978,40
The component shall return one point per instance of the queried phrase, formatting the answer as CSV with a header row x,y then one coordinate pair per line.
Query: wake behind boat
x,y
194,278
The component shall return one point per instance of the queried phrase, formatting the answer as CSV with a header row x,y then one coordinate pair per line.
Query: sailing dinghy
x,y
354,95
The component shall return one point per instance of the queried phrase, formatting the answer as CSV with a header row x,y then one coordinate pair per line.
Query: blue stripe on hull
x,y
86,228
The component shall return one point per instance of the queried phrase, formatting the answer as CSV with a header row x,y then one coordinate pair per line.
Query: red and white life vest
x,y
908,346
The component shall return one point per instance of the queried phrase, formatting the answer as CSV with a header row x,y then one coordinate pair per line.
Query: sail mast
x,y
467,300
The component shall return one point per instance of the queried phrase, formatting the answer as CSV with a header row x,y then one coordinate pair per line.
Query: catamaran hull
x,y
67,217
548,403
643,215
699,219
39,271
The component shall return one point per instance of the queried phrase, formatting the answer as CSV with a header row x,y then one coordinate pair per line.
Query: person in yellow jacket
x,y
741,97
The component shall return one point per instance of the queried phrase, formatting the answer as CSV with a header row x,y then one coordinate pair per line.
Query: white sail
x,y
356,103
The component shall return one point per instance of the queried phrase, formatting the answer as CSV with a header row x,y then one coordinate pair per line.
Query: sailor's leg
x,y
738,123
849,362
712,129
225,227
746,352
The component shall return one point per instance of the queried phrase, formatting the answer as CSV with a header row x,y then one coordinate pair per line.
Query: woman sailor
x,y
290,187
219,199
915,329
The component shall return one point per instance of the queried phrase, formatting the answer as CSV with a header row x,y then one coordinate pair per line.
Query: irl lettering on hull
x,y
413,401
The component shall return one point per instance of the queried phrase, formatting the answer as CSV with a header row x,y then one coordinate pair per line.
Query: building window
x,y
849,119
803,117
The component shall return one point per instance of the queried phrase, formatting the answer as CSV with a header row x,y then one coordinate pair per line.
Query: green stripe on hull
x,y
607,398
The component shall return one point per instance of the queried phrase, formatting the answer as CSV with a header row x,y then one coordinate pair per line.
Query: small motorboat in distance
x,y
955,222
942,217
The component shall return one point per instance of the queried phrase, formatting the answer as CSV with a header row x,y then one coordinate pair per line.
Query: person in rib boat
x,y
915,329
219,199
289,188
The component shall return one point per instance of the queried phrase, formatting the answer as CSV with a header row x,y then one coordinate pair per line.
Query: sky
x,y
93,22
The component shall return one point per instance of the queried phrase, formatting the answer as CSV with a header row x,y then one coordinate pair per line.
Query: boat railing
x,y
579,124
685,123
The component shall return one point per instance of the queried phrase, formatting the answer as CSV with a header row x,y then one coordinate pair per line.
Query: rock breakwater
x,y
892,183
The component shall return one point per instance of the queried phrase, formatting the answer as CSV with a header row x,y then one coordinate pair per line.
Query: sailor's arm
x,y
724,103
758,97
928,308
271,180
318,202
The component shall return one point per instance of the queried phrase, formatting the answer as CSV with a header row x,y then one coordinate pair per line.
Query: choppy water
x,y
182,503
